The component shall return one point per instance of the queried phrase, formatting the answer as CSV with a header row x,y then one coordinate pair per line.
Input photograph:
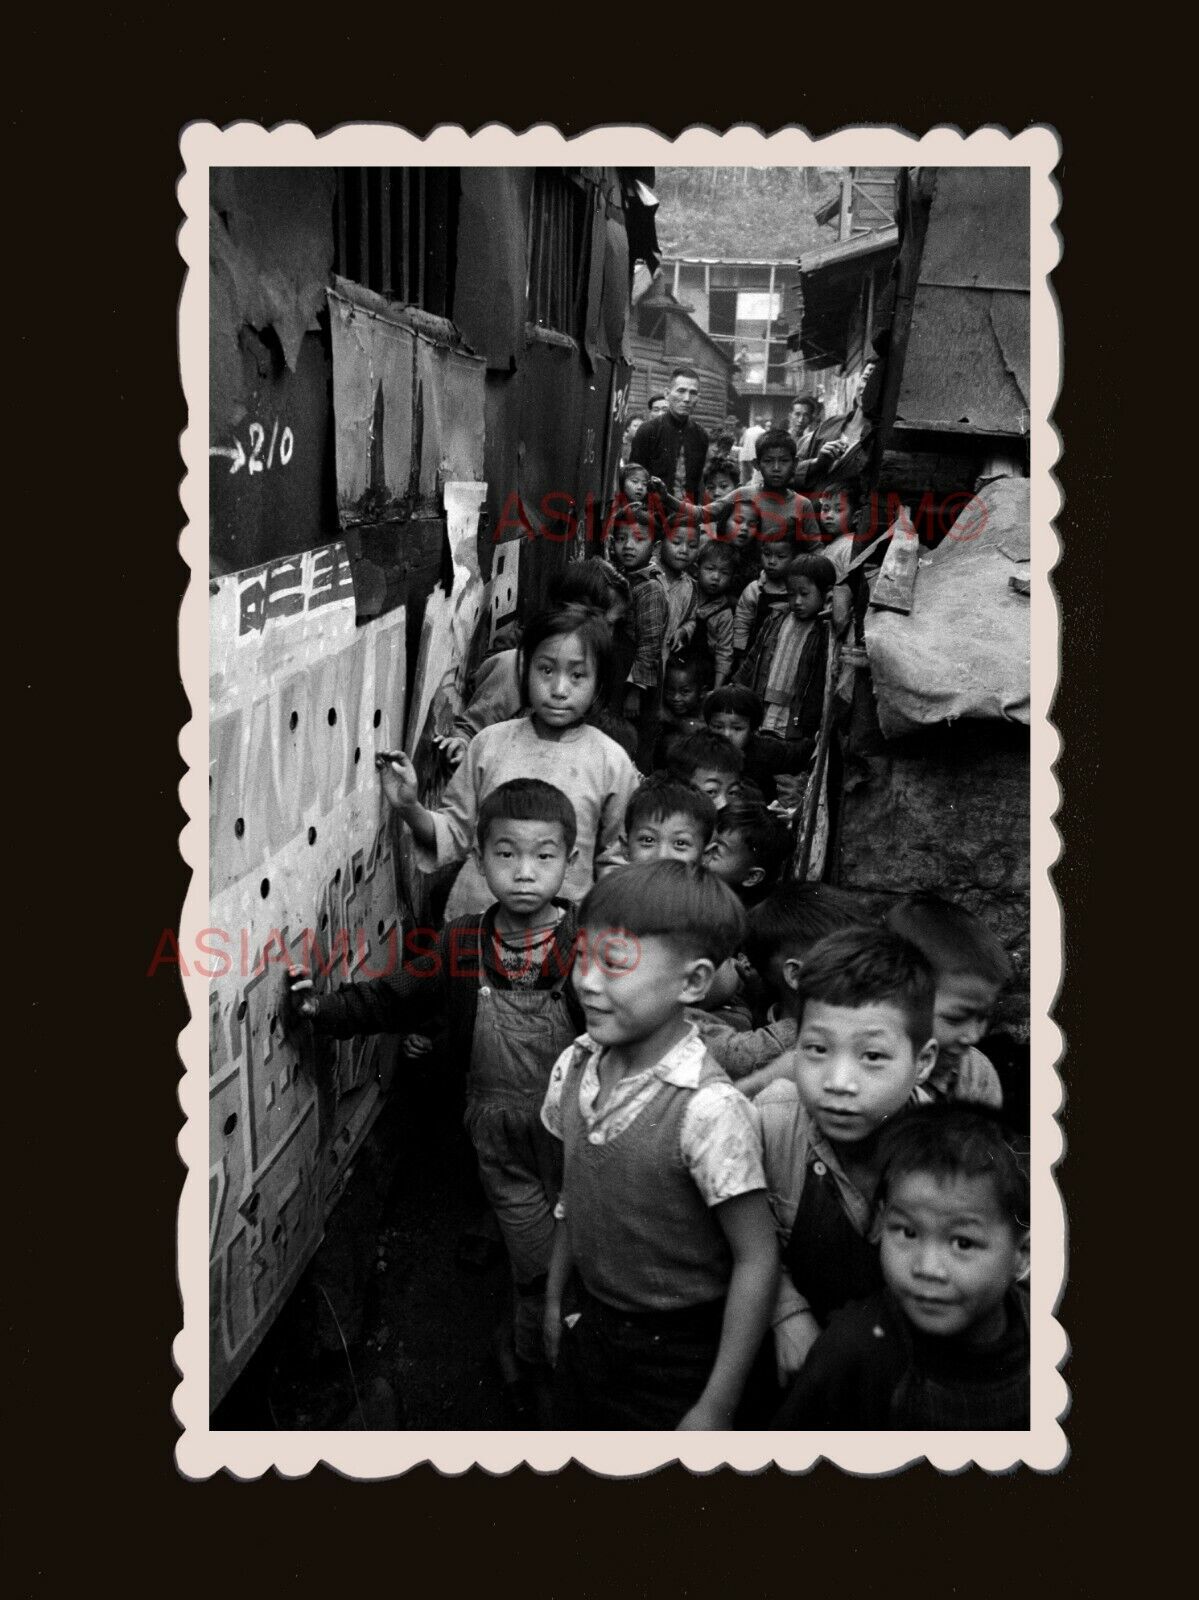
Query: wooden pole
x,y
816,781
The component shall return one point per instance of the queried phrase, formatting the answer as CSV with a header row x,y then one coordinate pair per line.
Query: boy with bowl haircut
x,y
668,820
945,1344
674,558
865,1043
972,969
663,1215
781,931
785,667
736,712
710,763
763,597
501,978
749,850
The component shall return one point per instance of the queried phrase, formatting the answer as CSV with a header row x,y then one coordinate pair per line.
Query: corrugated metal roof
x,y
845,251
966,368
731,261
978,229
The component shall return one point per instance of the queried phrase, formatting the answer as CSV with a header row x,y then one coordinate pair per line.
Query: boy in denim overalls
x,y
502,980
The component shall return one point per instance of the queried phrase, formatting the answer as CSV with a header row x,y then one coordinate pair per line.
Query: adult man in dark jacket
x,y
672,447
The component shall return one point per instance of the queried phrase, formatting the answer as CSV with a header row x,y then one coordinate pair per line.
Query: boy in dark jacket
x,y
945,1345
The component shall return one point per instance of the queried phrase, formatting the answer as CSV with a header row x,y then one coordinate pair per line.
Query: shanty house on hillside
x,y
662,335
840,298
740,305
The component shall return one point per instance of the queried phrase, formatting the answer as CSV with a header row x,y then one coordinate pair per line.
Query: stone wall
x,y
947,811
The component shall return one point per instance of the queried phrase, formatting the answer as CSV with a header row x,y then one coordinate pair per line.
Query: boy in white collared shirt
x,y
664,1217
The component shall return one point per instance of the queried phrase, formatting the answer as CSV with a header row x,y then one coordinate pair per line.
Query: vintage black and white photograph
x,y
622,973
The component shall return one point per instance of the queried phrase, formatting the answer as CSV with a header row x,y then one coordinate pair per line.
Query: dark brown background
x,y
93,1111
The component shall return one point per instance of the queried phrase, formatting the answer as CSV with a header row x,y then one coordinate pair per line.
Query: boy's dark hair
x,y
721,467
661,796
951,939
559,624
735,697
864,966
776,439
644,518
594,582
690,664
668,900
946,1141
797,916
527,800
654,398
766,838
713,551
704,749
817,569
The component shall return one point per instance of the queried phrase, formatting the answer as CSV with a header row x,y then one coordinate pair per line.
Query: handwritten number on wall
x,y
235,453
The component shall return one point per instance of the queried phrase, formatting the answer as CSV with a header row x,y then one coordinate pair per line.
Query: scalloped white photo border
x,y
201,1452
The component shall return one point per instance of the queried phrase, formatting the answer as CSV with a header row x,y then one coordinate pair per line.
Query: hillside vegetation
x,y
742,212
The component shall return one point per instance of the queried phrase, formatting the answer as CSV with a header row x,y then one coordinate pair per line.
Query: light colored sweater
x,y
591,769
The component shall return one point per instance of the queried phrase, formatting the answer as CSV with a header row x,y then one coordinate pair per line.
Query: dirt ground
x,y
417,1320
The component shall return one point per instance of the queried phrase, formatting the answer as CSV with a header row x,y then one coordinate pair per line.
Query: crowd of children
x,y
743,1145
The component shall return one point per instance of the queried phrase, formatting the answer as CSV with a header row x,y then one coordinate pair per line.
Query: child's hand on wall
x,y
398,777
299,1003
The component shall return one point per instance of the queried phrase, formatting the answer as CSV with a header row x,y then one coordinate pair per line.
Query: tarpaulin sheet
x,y
963,650
450,385
372,403
379,365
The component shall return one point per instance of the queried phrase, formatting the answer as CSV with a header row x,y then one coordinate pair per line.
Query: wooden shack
x,y
662,335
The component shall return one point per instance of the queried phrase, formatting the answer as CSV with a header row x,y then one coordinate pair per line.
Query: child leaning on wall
x,y
501,978
564,657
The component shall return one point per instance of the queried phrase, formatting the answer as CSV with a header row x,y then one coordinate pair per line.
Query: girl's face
x,y
636,487
562,681
723,483
745,524
731,727
807,598
681,694
831,517
632,546
714,578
